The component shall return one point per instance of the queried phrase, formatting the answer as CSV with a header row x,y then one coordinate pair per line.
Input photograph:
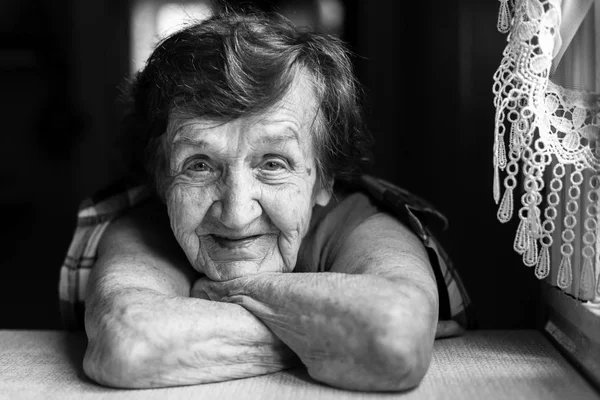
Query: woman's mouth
x,y
233,248
233,243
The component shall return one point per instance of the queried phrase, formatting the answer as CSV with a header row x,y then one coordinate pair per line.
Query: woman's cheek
x,y
292,218
184,218
288,245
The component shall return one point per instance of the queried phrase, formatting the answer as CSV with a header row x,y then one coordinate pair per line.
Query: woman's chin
x,y
228,270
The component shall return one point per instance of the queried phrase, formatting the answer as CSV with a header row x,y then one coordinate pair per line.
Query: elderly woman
x,y
251,134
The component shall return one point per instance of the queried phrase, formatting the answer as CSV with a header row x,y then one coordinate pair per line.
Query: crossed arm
x,y
367,324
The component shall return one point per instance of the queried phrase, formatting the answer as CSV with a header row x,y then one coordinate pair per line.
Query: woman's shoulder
x,y
352,205
331,225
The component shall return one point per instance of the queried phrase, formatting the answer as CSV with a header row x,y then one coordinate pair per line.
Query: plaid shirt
x,y
97,212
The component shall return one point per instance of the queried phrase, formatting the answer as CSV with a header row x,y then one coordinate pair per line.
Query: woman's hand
x,y
207,289
351,331
231,291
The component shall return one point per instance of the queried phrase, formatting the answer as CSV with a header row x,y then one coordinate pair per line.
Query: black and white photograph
x,y
300,199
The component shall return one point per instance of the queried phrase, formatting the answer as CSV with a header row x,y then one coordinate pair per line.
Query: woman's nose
x,y
238,205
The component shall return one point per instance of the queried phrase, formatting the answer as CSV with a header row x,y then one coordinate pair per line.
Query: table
x,y
483,364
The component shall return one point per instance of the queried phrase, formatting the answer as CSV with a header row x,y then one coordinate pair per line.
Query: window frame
x,y
574,328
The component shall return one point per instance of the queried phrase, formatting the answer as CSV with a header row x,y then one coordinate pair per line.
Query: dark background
x,y
427,70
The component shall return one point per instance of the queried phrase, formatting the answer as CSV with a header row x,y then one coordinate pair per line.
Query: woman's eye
x,y
273,165
199,166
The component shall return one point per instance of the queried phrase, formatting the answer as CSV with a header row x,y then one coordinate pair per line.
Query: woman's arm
x,y
368,324
145,331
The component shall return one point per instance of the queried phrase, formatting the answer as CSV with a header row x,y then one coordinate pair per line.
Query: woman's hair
x,y
237,64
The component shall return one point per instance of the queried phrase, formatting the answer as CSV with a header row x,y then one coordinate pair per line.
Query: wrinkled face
x,y
240,194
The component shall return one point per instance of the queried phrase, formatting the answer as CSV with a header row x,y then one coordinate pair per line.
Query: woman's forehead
x,y
296,111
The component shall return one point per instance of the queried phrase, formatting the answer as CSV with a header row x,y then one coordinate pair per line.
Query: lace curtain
x,y
546,152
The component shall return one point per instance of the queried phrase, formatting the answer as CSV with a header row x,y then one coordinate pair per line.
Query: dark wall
x,y
427,72
39,135
60,65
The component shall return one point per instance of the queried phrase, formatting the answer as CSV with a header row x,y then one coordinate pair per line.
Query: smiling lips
x,y
235,243
223,249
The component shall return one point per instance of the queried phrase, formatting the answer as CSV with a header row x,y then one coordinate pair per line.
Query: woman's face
x,y
240,194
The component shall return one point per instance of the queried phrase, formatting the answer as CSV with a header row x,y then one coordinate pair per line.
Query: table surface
x,y
484,364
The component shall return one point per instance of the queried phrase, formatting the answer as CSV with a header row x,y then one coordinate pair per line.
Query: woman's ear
x,y
324,192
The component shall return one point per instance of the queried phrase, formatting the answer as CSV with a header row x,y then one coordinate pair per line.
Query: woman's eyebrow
x,y
183,136
183,145
184,141
288,136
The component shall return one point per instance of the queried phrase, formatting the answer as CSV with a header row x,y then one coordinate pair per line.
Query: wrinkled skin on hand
x,y
240,290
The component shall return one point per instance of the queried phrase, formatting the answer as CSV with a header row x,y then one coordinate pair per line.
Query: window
x,y
573,324
547,97
151,20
